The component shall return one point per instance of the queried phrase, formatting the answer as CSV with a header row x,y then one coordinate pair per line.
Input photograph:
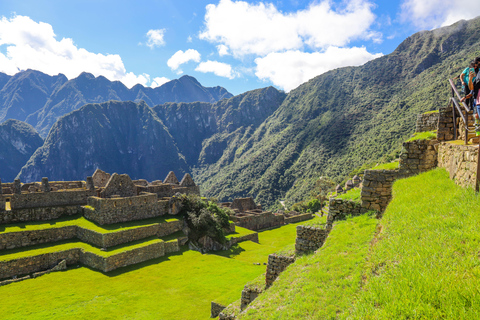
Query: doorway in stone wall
x,y
8,206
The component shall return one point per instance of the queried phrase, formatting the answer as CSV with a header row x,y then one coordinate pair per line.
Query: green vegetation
x,y
427,135
79,220
317,131
71,244
203,218
424,264
386,166
321,285
352,194
178,286
313,205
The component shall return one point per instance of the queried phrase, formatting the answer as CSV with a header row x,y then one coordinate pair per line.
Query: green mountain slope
x,y
344,118
18,141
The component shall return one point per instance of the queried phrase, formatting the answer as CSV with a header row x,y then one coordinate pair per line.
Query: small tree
x,y
203,218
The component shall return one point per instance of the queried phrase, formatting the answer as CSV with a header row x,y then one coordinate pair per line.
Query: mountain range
x,y
263,143
39,99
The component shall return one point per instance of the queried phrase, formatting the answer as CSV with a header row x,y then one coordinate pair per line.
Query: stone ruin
x,y
247,214
102,198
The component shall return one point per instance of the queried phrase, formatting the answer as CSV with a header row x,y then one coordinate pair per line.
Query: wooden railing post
x,y
454,112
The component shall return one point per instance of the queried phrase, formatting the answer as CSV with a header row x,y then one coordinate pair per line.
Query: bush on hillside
x,y
203,217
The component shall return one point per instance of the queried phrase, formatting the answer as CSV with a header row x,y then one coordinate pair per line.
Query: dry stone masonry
x,y
310,238
427,121
460,161
339,209
276,264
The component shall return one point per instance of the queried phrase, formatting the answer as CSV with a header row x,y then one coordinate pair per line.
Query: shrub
x,y
203,218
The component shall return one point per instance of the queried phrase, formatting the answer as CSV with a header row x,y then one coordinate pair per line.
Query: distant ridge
x,y
18,141
40,99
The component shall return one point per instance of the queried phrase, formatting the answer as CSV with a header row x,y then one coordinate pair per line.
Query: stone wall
x,y
339,209
310,238
215,309
418,156
249,237
172,246
460,161
12,240
258,221
298,218
115,210
251,293
27,265
276,264
445,124
427,121
37,214
18,239
48,199
377,188
134,256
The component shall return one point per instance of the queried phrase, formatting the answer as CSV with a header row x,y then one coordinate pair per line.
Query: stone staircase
x,y
472,138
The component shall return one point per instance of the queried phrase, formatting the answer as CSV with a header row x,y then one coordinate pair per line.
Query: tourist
x,y
467,77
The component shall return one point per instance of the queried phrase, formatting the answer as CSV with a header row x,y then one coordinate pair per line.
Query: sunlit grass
x,y
425,264
178,286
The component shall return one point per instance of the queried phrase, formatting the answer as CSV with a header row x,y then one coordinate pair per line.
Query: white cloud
x,y
218,68
181,57
222,50
32,45
156,38
435,13
158,81
189,39
261,29
292,68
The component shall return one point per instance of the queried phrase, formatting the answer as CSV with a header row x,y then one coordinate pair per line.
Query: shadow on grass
x,y
233,251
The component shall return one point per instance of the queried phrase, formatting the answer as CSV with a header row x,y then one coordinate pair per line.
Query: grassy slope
x,y
179,286
425,263
422,264
320,286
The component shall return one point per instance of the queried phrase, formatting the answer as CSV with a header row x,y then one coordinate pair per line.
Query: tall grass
x,y
425,263
321,285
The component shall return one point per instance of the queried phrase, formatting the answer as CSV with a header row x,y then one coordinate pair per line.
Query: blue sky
x,y
240,45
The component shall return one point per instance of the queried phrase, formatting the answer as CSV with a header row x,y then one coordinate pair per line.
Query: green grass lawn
x,y
425,264
426,135
179,286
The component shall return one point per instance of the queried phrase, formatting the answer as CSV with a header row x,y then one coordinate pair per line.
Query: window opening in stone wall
x,y
8,206
115,204
130,202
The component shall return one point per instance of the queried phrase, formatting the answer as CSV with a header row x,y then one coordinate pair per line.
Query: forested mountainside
x,y
343,118
264,143
128,137
18,141
123,137
40,99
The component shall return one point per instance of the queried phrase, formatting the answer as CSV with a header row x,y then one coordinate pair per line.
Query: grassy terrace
x,y
423,262
320,286
79,220
352,195
178,286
